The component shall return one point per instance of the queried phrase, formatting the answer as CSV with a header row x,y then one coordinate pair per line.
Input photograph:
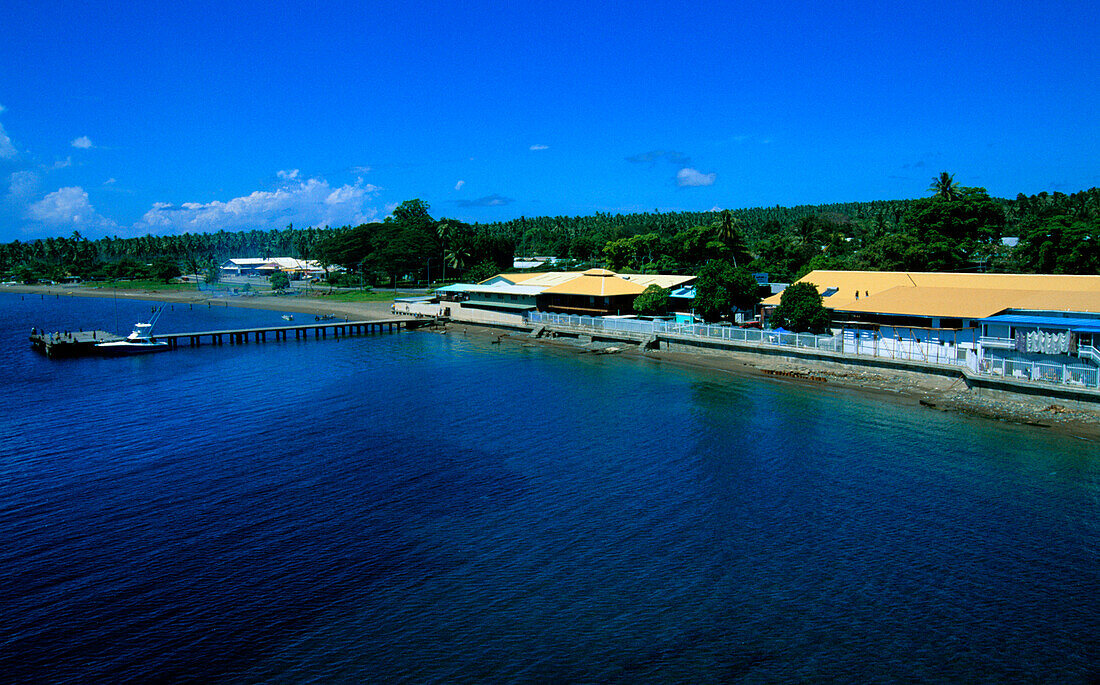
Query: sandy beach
x,y
934,393
359,311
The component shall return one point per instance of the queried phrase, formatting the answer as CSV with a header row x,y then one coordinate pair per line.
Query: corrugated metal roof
x,y
1069,323
948,302
594,282
551,278
505,289
596,285
281,262
498,305
663,280
952,295
454,288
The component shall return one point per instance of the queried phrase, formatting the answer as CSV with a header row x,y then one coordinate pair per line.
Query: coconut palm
x,y
727,226
457,257
944,186
729,234
445,230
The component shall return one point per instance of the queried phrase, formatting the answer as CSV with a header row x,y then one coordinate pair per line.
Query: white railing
x,y
849,343
1046,372
595,324
1088,352
1000,343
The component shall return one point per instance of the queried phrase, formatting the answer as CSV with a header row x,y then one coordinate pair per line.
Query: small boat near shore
x,y
140,341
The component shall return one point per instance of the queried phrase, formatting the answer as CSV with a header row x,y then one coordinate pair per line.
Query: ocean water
x,y
416,507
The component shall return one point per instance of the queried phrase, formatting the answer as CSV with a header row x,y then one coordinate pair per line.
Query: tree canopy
x,y
801,310
722,288
957,228
279,281
652,301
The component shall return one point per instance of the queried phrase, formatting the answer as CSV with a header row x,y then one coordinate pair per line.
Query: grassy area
x,y
354,296
146,285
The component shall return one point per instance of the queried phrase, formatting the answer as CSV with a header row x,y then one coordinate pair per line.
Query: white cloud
x,y
111,181
540,147
361,169
68,207
311,202
458,186
22,184
7,150
688,177
83,142
62,163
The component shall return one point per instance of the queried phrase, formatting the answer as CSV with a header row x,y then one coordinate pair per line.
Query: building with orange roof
x,y
1010,320
595,292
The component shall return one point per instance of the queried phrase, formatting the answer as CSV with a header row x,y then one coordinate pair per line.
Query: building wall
x,y
417,308
588,305
496,298
457,312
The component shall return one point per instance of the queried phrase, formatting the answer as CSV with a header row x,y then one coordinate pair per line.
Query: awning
x,y
498,305
1060,322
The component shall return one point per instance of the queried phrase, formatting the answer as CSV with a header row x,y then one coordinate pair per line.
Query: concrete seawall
x,y
979,385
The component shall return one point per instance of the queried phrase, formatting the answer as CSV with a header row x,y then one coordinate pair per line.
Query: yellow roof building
x,y
969,296
594,282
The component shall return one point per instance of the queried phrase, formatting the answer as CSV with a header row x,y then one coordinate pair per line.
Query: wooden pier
x,y
83,343
71,344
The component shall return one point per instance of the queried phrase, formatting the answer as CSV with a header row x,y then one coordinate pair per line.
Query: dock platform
x,y
71,344
83,343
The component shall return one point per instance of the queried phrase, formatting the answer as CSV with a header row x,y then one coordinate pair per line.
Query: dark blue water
x,y
422,508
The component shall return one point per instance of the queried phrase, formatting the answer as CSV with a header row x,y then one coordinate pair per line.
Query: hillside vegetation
x,y
955,228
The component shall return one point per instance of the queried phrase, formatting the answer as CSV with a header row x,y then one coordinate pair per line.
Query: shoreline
x,y
364,311
920,391
927,391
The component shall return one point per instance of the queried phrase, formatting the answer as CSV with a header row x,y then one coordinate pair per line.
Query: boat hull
x,y
126,349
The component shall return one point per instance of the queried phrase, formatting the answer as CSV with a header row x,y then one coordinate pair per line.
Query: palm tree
x,y
944,186
730,234
457,256
445,229
726,224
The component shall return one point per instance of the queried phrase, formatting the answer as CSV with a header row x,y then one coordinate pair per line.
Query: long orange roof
x,y
952,294
594,282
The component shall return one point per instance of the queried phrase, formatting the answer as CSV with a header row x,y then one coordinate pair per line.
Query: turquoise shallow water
x,y
423,508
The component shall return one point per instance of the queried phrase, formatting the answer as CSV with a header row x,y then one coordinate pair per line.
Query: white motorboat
x,y
139,341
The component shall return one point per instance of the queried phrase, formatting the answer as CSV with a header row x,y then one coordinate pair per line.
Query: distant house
x,y
533,262
255,266
681,299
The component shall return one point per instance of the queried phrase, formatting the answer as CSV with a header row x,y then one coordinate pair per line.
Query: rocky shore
x,y
934,393
930,392
363,311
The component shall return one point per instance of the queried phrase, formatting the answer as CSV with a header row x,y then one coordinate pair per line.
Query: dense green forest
x,y
955,228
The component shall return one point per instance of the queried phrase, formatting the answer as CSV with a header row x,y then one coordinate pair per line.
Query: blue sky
x,y
166,118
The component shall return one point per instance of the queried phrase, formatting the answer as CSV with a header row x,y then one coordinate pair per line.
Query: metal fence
x,y
1046,372
850,343
929,351
640,327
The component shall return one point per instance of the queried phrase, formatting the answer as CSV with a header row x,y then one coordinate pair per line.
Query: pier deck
x,y
83,343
